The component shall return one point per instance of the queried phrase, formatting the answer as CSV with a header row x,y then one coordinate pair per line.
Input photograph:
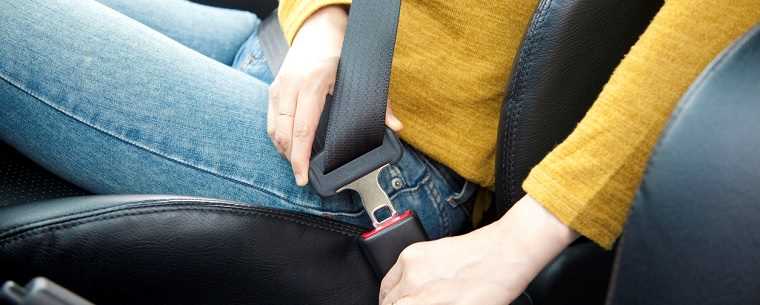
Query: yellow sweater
x,y
589,180
451,66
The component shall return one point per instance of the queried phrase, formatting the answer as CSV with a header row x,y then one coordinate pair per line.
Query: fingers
x,y
308,111
407,301
437,293
391,279
401,279
393,295
413,300
271,113
287,97
391,120
297,98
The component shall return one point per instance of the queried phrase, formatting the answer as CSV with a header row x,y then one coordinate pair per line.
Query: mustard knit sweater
x,y
450,68
449,73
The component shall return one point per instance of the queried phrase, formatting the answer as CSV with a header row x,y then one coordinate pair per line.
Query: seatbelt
x,y
357,107
273,42
352,144
357,145
355,113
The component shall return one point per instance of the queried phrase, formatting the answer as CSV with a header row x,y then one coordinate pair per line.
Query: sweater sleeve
x,y
293,13
590,179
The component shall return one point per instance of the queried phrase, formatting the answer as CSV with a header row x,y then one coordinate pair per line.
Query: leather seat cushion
x,y
180,250
23,181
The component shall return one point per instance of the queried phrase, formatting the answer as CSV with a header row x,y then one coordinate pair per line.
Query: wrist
x,y
531,236
323,31
332,16
530,219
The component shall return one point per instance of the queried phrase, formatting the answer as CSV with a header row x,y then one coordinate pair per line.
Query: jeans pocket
x,y
434,194
463,196
456,189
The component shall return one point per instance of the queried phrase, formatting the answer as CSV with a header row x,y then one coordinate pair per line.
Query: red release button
x,y
386,224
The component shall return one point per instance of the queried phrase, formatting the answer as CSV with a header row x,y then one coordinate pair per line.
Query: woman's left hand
x,y
488,266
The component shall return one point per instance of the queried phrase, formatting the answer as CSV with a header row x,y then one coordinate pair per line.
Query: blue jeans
x,y
170,97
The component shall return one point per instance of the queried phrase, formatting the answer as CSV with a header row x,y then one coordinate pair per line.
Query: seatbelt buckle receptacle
x,y
392,232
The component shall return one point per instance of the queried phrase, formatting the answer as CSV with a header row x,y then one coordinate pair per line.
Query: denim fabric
x,y
139,96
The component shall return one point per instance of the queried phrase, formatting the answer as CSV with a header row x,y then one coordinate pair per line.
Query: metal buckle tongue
x,y
372,195
391,235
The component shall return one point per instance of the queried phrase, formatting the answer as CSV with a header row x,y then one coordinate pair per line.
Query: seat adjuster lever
x,y
39,291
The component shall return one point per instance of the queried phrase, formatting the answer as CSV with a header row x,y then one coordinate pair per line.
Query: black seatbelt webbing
x,y
352,145
353,122
352,127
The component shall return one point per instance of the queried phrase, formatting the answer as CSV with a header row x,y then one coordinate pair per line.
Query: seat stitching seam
x,y
67,225
119,205
11,228
509,154
162,203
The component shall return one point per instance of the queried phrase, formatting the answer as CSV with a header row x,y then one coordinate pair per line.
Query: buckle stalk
x,y
372,195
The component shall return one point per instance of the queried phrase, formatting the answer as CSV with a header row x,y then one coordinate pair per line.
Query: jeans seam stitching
x,y
184,163
314,211
411,189
436,196
453,198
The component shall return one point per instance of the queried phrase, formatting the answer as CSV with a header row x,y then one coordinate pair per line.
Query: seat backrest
x,y
568,53
693,235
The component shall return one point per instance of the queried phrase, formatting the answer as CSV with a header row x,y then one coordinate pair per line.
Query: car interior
x,y
171,249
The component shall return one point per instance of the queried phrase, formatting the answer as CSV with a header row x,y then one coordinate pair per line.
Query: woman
x,y
148,104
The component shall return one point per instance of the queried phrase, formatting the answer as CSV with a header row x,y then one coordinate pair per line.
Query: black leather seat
x,y
178,250
693,235
166,249
569,51
23,181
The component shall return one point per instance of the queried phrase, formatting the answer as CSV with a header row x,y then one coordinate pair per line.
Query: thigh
x,y
215,32
115,107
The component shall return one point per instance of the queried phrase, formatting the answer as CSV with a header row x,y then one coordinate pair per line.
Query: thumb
x,y
391,120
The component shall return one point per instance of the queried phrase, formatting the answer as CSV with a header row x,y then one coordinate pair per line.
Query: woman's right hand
x,y
297,94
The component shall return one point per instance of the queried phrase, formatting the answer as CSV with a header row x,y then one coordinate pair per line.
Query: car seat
x,y
156,249
693,236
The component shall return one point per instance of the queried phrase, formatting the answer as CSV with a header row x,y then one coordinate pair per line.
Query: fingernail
x,y
396,124
300,179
